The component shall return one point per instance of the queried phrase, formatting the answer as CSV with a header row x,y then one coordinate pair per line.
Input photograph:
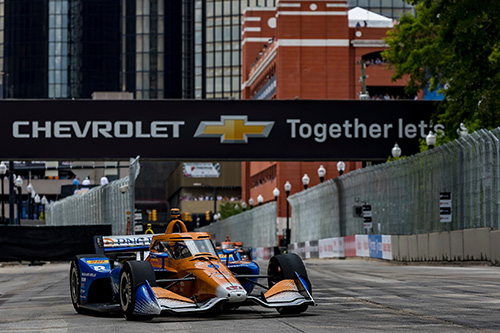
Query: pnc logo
x,y
234,129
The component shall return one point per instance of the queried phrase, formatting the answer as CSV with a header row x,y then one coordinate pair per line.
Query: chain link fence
x,y
256,227
405,194
106,204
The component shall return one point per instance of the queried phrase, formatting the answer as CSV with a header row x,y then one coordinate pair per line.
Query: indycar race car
x,y
238,246
181,273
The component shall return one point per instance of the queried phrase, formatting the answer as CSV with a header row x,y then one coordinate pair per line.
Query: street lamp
x,y
430,139
19,184
340,167
37,203
396,151
321,173
260,199
276,193
288,188
30,191
462,131
250,202
3,171
305,181
44,202
244,205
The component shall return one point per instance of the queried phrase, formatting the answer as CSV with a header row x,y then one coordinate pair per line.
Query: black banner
x,y
208,130
48,243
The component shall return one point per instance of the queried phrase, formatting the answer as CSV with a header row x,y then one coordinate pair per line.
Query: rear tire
x,y
133,274
283,267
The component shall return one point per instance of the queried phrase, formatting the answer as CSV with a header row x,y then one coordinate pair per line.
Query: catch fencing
x,y
256,227
106,204
404,195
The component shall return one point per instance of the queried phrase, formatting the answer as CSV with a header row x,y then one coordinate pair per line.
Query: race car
x,y
181,273
227,244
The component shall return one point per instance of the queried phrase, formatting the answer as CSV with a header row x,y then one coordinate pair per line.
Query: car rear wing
x,y
126,243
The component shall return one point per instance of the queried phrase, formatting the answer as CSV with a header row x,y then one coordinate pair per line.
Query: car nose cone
x,y
233,293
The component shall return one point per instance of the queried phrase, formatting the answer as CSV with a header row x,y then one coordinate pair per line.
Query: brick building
x,y
305,49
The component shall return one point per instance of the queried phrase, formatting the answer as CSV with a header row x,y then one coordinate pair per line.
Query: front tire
x,y
74,285
132,275
283,267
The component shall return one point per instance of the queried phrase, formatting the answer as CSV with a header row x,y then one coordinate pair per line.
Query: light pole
x,y
44,204
276,193
3,171
250,202
288,188
396,151
260,199
430,139
305,181
462,131
340,167
11,192
19,184
37,203
321,173
244,205
30,191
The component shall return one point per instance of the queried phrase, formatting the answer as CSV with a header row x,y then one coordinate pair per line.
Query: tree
x,y
452,46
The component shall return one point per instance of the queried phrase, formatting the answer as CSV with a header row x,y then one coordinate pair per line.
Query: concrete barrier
x,y
395,247
495,247
422,247
439,246
477,244
404,253
457,245
412,248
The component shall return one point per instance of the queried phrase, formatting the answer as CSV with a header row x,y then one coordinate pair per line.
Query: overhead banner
x,y
212,129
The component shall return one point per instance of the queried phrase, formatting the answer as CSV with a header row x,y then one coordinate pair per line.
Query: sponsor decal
x,y
96,129
97,261
124,241
99,268
213,266
89,274
234,129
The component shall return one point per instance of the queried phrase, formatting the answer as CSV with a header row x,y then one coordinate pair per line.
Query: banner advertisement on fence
x,y
362,246
350,246
375,246
386,247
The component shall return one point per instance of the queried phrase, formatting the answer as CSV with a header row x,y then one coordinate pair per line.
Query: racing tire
x,y
283,267
74,285
132,275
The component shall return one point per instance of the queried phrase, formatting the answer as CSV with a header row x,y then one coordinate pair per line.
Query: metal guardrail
x,y
405,194
106,204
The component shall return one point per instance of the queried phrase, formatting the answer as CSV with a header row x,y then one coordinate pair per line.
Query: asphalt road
x,y
352,295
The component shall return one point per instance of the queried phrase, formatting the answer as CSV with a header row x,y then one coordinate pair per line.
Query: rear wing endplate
x,y
126,243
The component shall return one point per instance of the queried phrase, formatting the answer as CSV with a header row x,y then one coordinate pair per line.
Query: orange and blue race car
x,y
181,272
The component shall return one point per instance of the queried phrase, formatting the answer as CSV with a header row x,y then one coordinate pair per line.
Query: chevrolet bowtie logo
x,y
234,129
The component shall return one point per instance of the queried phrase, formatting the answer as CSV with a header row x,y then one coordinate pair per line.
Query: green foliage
x,y
391,158
229,209
452,47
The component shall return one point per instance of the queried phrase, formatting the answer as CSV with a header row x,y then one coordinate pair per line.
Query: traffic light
x,y
207,215
150,215
154,215
186,217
